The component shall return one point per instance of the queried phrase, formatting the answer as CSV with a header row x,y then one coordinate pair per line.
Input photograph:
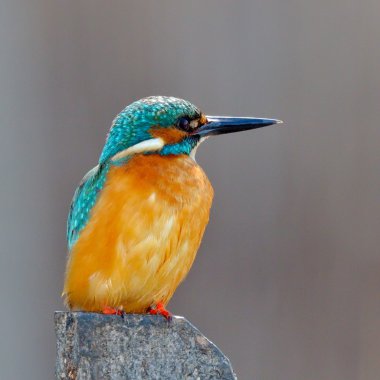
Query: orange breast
x,y
142,236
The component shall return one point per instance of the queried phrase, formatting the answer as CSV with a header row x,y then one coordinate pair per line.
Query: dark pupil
x,y
184,124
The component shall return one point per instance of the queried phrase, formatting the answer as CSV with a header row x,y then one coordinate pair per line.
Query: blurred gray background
x,y
287,280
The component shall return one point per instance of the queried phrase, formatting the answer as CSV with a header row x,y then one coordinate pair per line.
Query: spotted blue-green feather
x,y
131,126
183,147
84,200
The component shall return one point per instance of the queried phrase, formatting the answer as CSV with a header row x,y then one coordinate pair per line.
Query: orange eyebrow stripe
x,y
169,135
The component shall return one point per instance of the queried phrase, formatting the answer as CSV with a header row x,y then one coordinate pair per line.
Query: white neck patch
x,y
142,147
194,151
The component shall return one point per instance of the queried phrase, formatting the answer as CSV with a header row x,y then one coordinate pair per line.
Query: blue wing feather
x,y
84,199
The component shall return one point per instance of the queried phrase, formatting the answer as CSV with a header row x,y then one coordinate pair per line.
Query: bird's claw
x,y
113,311
159,309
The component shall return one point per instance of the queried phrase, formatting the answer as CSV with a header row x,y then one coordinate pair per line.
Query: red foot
x,y
111,311
160,310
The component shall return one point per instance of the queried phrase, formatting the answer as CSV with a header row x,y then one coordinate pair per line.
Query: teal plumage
x,y
130,127
137,219
84,200
183,147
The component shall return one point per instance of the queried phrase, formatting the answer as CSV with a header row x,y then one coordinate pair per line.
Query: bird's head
x,y
168,125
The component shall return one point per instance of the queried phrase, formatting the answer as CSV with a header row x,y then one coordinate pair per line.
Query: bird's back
x,y
142,234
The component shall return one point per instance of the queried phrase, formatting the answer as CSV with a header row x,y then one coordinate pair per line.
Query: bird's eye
x,y
184,124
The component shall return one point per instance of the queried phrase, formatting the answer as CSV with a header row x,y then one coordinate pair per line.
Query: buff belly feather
x,y
142,236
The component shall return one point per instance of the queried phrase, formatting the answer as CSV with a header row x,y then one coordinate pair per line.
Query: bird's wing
x,y
83,201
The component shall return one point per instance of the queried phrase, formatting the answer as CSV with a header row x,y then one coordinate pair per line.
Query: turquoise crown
x,y
132,125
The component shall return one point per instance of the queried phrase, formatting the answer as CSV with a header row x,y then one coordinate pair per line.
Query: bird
x,y
137,219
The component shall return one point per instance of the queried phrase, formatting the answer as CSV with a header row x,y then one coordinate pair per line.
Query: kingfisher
x,y
137,219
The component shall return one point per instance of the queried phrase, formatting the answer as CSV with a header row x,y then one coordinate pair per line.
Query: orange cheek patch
x,y
203,119
169,135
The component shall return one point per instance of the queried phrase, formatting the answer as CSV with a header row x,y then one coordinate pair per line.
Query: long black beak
x,y
218,125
